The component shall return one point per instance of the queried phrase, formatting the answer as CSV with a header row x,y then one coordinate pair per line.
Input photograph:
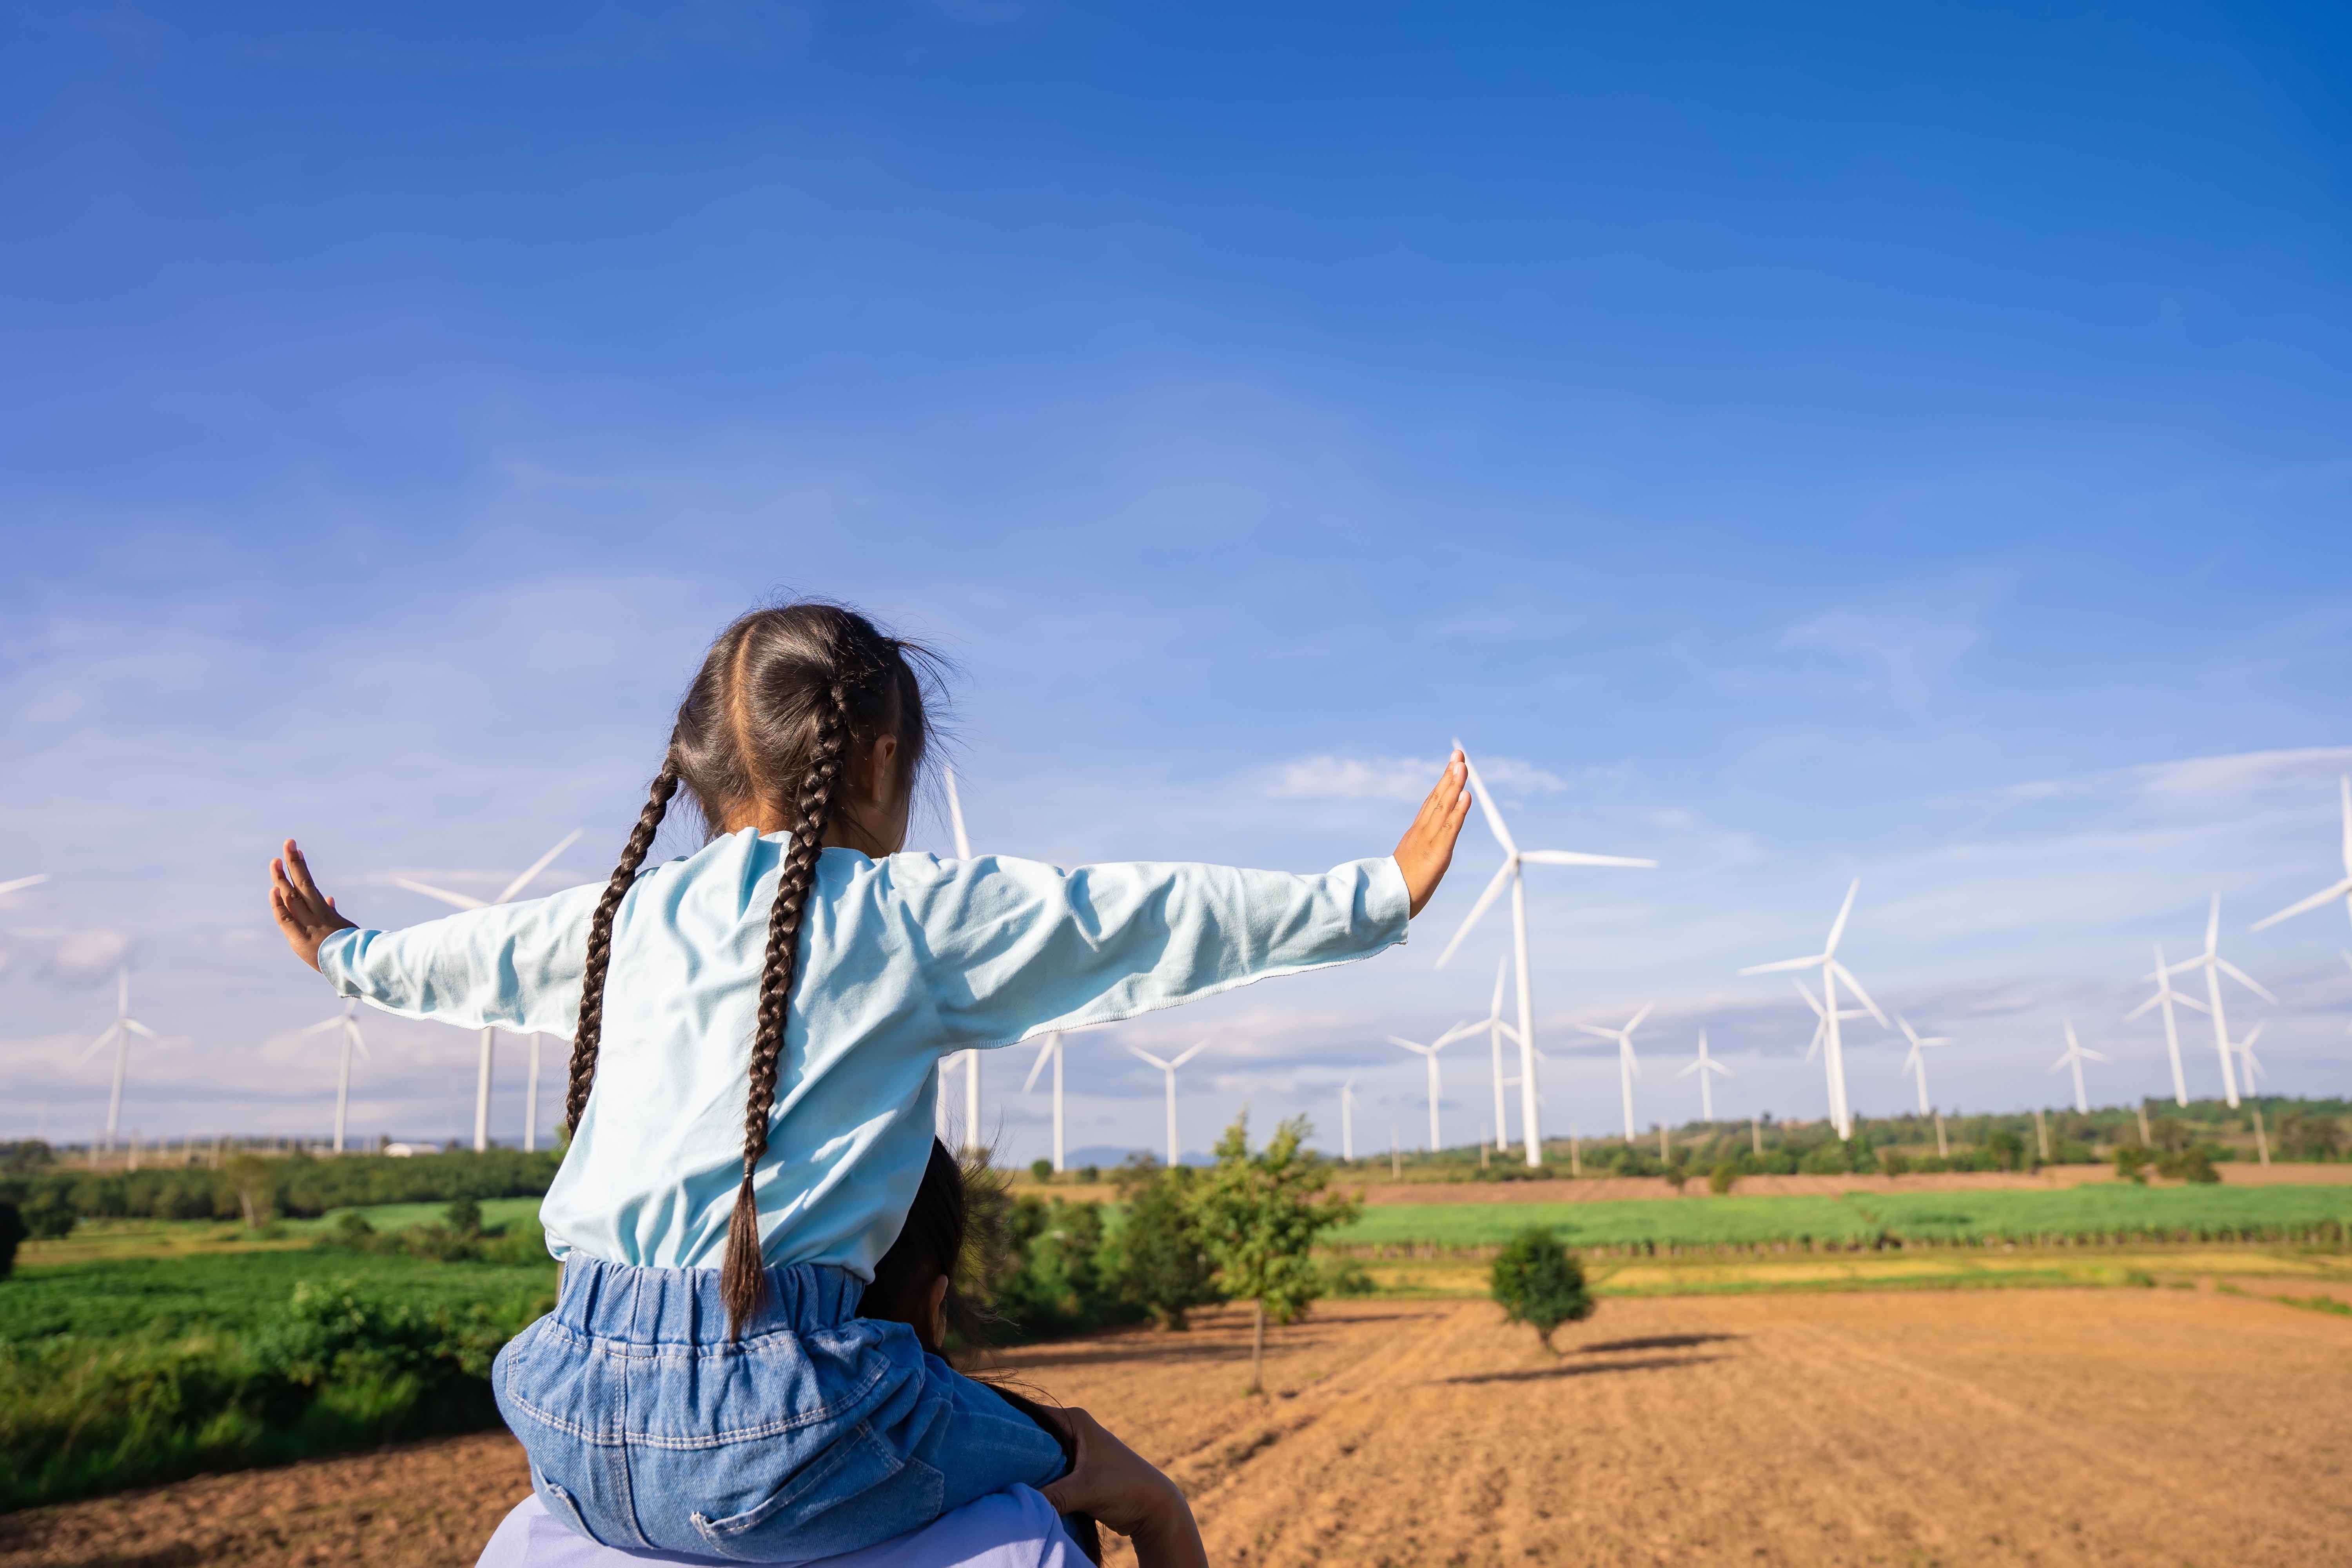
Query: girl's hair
x,y
785,701
935,1241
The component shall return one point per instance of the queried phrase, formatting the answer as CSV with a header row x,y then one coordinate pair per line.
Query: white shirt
x,y
902,961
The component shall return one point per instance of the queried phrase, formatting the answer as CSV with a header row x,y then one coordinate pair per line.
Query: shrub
x,y
2004,1151
464,1216
1090,1174
1540,1282
1345,1276
2132,1163
1041,1169
1723,1178
1159,1265
1894,1162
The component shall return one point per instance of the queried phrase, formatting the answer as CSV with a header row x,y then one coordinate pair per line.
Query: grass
x,y
2106,1211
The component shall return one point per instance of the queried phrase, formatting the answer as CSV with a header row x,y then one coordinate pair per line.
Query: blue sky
x,y
1795,442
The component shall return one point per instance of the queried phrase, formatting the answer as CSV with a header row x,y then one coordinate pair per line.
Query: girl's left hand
x,y
307,916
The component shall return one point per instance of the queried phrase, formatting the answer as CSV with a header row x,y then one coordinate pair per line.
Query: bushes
x,y
296,1185
1540,1282
1156,1264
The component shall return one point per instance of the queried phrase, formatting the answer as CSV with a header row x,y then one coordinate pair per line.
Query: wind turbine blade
x,y
2181,1000
33,880
1783,966
1146,1056
2252,1035
2343,787
1837,927
1597,1032
1697,1063
1477,911
1810,1000
1501,970
1635,1022
139,1029
1486,805
359,1041
2325,896
542,864
1459,1032
1575,858
2143,1007
955,819
1194,1049
1717,1067
2094,1056
321,1027
1038,1066
2243,978
98,1044
1860,994
2213,928
463,900
1509,1031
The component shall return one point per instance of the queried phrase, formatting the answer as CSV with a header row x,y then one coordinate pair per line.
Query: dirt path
x,y
2045,1427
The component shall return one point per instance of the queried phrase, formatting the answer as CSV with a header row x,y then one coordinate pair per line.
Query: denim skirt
x,y
650,1427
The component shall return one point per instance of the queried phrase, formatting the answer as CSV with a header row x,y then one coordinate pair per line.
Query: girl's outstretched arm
x,y
307,916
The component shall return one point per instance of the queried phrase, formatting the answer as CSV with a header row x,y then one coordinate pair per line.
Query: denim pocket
x,y
860,1493
560,1504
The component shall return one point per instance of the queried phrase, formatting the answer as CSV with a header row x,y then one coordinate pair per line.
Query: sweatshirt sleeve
x,y
1016,948
515,965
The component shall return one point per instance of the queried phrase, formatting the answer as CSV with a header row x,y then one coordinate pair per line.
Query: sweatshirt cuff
x,y
1388,900
335,954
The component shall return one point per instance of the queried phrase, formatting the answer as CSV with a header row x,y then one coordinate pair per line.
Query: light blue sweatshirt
x,y
902,961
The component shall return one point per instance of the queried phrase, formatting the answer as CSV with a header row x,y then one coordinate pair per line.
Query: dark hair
x,y
930,1244
783,702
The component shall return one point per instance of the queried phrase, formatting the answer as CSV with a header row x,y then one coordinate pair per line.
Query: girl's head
x,y
803,720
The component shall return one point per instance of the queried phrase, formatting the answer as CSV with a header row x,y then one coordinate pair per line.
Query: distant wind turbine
x,y
2168,998
1497,1031
1826,961
1428,1054
1914,1061
1514,857
2247,1059
2214,966
2341,889
118,1035
1629,1067
1707,1066
1169,1068
344,1025
1051,1049
490,1035
2074,1056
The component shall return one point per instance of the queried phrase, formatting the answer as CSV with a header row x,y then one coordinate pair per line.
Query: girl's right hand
x,y
1427,848
1121,1490
307,916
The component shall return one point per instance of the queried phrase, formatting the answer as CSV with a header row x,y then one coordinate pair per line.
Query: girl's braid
x,y
742,1279
591,1031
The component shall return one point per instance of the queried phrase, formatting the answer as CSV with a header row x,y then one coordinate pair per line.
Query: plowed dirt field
x,y
2027,1426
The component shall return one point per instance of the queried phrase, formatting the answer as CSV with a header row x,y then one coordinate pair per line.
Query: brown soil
x,y
2046,1428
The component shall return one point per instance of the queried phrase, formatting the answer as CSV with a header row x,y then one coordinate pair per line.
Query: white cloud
x,y
2198,782
1399,778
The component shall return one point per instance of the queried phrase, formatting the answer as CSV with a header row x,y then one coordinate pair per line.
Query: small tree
x,y
1259,1215
1158,1263
1723,1178
1538,1281
1041,1169
247,1176
464,1216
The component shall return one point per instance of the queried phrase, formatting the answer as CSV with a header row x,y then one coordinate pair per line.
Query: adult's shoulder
x,y
1015,1528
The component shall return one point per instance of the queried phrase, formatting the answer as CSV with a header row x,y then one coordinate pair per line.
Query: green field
x,y
2101,1212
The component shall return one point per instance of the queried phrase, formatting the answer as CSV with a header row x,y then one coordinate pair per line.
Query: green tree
x,y
1259,1215
1158,1265
247,1176
1722,1178
1538,1281
464,1216
1041,1169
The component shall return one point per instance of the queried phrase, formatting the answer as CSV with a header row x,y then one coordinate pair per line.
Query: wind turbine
x,y
1914,1061
2342,889
1497,1031
1051,1049
1514,857
1190,1051
2252,1063
346,1025
1429,1054
490,1035
1705,1067
972,1057
1348,1120
1629,1067
2167,998
1826,961
34,880
2074,1056
118,1035
2214,966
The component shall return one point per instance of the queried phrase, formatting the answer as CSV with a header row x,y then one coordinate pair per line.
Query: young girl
x,y
703,1384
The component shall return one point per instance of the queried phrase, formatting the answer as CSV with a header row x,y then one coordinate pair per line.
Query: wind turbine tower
x,y
1508,873
345,1025
1826,961
1707,1066
2168,998
118,1035
490,1039
1428,1054
2074,1056
972,1057
1914,1061
1629,1065
1169,1070
1348,1120
1053,1048
2214,966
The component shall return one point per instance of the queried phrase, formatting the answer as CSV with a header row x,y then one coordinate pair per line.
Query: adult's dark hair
x,y
786,700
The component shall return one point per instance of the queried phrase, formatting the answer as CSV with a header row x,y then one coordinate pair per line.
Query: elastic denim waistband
x,y
683,1306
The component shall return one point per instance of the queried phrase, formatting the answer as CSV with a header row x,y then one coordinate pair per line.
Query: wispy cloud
x,y
1399,778
2197,782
